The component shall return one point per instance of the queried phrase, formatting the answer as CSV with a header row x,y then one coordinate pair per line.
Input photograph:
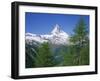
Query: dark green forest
x,y
74,54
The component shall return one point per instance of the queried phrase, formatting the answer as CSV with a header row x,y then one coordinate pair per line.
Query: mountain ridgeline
x,y
58,48
57,37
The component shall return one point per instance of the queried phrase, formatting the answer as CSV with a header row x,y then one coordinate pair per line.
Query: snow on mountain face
x,y
58,32
57,36
33,37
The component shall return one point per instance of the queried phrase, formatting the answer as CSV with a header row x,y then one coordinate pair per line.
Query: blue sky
x,y
43,23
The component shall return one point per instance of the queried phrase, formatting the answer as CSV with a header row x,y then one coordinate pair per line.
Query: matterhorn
x,y
57,37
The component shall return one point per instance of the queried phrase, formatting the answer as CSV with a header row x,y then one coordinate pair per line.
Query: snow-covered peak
x,y
56,29
57,36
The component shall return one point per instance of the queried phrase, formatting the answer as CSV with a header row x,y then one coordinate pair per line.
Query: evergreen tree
x,y
79,41
44,57
80,33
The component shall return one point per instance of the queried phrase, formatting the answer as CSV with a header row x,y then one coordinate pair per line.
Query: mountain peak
x,y
56,29
57,36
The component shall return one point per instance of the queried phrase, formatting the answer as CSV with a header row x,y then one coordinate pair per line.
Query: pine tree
x,y
80,33
79,41
44,57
